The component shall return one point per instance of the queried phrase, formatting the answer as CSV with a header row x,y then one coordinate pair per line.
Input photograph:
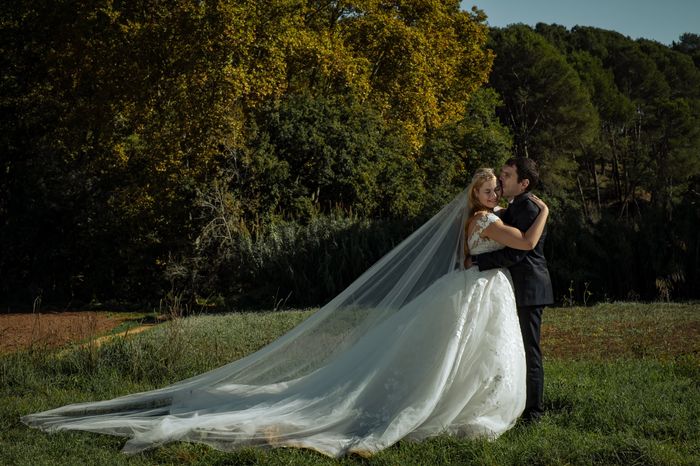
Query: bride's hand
x,y
540,203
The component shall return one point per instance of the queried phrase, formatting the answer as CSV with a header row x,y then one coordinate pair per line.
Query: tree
x,y
330,147
546,107
637,171
673,124
453,152
424,59
115,112
117,116
689,44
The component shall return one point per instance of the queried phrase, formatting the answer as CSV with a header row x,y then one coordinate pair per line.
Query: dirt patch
x,y
585,340
621,339
53,329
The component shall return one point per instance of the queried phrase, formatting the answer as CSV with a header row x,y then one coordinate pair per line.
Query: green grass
x,y
622,387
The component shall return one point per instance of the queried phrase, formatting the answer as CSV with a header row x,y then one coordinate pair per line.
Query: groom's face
x,y
509,182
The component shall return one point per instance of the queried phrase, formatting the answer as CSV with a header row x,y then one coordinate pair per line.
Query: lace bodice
x,y
479,245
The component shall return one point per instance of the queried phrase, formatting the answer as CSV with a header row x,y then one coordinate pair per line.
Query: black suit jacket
x,y
531,281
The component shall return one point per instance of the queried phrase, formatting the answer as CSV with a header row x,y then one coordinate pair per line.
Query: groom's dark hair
x,y
527,170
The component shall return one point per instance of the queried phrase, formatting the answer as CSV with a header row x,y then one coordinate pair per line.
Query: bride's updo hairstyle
x,y
481,176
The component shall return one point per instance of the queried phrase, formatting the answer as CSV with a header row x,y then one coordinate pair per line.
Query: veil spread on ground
x,y
327,383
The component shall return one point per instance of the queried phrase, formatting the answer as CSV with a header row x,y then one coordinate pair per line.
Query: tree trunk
x,y
596,184
583,199
615,168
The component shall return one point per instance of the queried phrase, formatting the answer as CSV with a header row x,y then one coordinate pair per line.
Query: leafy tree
x,y
616,113
633,175
118,115
689,44
330,148
546,107
673,124
121,111
453,152
424,58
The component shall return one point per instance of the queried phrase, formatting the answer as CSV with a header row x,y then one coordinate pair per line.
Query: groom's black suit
x,y
533,291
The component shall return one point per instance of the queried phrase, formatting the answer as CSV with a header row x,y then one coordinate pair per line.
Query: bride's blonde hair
x,y
481,176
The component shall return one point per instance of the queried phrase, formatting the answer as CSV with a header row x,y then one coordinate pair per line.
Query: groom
x,y
531,283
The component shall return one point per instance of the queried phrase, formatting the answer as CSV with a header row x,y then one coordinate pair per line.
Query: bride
x,y
417,346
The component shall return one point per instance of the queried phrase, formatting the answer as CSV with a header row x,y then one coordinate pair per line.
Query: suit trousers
x,y
530,321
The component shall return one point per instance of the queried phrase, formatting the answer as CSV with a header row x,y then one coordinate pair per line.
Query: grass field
x,y
622,386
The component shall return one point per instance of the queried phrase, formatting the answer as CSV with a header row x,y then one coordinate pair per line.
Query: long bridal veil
x,y
431,252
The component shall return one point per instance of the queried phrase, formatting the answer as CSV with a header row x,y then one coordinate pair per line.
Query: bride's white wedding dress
x,y
448,360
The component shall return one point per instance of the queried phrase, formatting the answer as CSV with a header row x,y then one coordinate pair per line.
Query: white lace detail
x,y
479,245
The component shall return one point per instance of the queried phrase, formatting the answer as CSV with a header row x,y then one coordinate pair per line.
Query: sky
x,y
662,21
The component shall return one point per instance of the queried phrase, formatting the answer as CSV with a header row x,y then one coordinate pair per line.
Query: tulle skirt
x,y
449,361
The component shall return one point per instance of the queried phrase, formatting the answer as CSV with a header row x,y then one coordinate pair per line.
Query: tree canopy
x,y
159,147
118,115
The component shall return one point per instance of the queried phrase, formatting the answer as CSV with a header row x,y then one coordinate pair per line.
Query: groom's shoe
x,y
528,419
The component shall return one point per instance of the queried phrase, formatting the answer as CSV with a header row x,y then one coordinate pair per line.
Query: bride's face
x,y
488,194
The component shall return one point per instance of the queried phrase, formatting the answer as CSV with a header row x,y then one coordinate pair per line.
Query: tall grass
x,y
283,263
603,407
